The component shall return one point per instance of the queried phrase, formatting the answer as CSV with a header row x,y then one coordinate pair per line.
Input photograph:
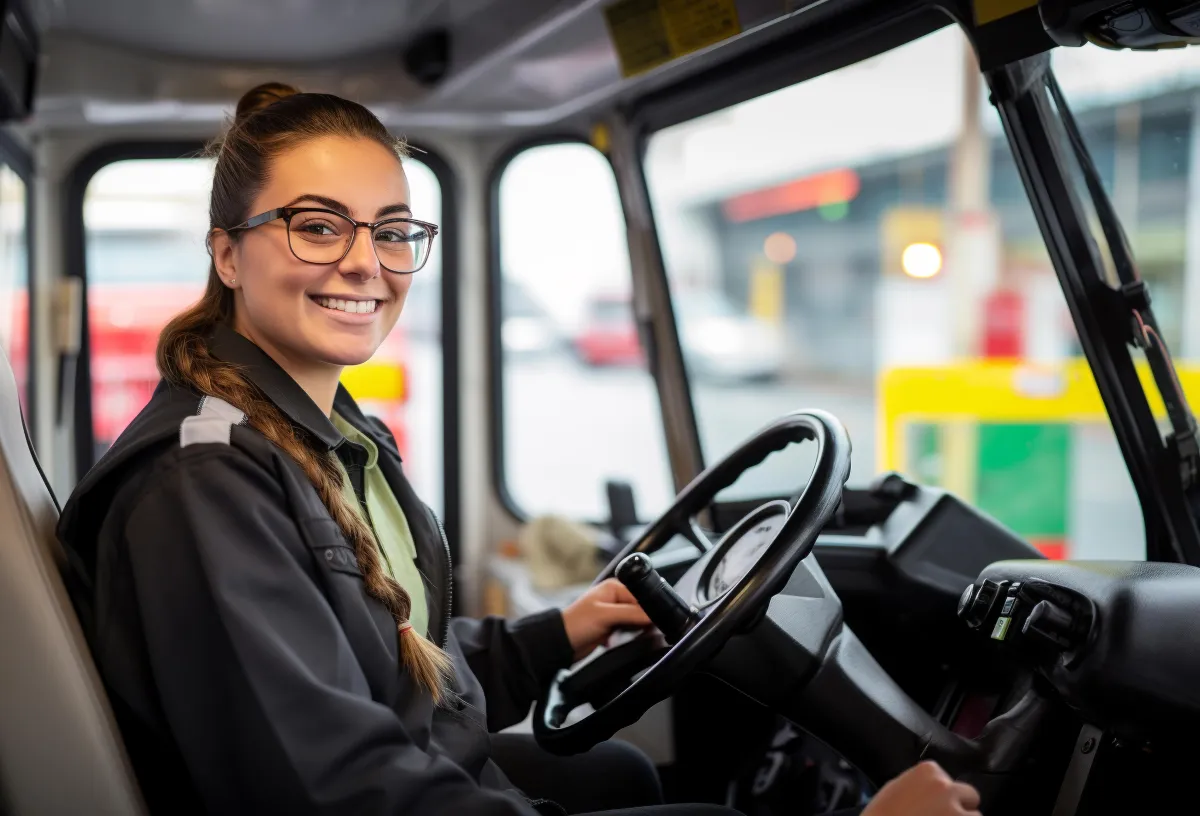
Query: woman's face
x,y
315,316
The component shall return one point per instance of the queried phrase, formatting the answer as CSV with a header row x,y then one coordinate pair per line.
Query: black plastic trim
x,y
819,49
14,154
1024,111
451,364
641,141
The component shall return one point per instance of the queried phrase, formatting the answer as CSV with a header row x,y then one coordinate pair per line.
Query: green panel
x,y
1023,477
925,453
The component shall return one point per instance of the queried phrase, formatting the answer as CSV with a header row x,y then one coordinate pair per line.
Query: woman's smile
x,y
352,310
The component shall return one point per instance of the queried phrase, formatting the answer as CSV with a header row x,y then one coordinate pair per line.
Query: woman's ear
x,y
220,246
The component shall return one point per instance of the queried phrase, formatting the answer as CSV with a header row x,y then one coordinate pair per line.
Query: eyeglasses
x,y
320,236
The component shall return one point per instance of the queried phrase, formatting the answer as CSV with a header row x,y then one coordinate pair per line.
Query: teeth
x,y
348,306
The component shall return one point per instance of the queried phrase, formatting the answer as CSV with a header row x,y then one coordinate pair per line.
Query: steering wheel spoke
x,y
693,532
605,673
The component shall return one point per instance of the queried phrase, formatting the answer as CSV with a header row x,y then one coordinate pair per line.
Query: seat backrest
x,y
60,751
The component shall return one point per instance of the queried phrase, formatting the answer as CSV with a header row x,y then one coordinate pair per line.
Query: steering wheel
x,y
723,593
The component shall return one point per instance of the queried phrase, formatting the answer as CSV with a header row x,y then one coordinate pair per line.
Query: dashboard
x,y
1119,641
930,538
1077,680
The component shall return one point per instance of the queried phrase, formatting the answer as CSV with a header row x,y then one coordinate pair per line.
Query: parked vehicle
x,y
720,344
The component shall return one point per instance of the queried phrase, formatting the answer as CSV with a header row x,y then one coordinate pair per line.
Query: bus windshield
x,y
881,260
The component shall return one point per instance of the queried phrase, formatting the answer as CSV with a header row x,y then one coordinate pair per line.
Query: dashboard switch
x,y
975,607
966,599
1052,624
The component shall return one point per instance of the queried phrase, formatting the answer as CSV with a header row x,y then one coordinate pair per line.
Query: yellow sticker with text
x,y
988,11
650,33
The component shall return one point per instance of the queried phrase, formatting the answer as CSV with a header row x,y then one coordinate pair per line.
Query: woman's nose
x,y
361,260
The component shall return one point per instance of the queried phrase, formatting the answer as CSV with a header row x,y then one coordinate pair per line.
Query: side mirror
x,y
622,509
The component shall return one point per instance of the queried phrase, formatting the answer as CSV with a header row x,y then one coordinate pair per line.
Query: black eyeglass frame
x,y
288,213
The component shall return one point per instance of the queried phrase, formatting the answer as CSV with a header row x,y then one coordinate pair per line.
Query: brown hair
x,y
270,120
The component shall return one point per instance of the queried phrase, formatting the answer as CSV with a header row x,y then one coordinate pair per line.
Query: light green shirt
x,y
387,519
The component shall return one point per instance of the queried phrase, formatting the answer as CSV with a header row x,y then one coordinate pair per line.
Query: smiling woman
x,y
253,505
280,263
146,260
283,143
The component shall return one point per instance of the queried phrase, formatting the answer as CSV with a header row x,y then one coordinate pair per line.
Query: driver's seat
x,y
60,751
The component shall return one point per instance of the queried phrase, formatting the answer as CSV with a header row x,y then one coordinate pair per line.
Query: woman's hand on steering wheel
x,y
927,790
593,616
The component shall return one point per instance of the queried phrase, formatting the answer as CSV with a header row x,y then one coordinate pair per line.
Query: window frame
x,y
756,73
495,308
1025,105
75,266
20,161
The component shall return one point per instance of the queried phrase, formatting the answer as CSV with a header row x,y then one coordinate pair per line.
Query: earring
x,y
232,281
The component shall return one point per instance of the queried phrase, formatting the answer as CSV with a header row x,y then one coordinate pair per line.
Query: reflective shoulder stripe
x,y
213,424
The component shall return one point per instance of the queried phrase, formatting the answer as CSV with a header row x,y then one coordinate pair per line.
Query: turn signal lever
x,y
662,604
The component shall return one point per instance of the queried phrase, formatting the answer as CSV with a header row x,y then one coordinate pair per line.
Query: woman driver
x,y
270,609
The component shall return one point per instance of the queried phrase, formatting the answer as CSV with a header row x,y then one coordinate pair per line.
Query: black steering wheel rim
x,y
812,509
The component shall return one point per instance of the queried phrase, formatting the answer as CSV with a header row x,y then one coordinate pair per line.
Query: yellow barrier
x,y
378,382
996,391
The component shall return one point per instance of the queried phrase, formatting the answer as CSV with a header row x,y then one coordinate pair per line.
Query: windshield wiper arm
x,y
1143,326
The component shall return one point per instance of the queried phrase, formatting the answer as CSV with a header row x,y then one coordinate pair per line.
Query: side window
x,y
14,281
144,226
579,407
145,221
884,264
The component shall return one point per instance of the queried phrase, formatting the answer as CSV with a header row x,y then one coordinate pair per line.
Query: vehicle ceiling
x,y
513,64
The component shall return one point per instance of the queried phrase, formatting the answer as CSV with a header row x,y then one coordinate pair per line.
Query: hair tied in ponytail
x,y
270,120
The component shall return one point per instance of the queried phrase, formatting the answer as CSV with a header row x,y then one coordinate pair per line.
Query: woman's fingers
x,y
613,591
623,614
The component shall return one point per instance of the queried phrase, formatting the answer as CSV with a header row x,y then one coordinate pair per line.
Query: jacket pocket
x,y
324,538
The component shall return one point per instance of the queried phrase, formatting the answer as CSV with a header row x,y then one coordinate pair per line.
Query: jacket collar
x,y
257,366
228,346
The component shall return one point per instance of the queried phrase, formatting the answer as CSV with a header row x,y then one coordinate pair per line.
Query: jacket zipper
x,y
449,602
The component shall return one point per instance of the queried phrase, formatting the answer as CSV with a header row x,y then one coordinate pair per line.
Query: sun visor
x,y
18,61
1003,31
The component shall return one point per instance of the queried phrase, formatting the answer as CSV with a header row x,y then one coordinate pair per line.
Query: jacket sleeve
x,y
257,681
513,660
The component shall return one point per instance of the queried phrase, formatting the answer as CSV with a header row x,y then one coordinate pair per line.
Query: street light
x,y
921,260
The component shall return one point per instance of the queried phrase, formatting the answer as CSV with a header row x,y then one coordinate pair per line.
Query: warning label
x,y
649,33
988,11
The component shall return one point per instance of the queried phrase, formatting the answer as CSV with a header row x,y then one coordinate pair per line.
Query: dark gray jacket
x,y
250,671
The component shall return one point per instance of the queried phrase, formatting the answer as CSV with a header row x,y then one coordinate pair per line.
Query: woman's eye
x,y
388,236
318,228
